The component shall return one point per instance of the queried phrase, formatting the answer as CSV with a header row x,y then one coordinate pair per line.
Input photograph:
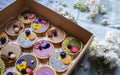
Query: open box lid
x,y
54,18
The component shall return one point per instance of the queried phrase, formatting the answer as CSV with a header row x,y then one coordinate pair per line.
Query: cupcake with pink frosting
x,y
43,49
45,70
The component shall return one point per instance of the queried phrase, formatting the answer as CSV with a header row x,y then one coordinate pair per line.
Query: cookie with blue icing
x,y
27,38
60,61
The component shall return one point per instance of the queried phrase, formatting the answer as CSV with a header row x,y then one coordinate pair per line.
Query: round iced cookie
x,y
72,46
60,61
2,67
43,49
26,64
14,28
3,39
27,16
39,25
27,38
10,53
45,70
55,35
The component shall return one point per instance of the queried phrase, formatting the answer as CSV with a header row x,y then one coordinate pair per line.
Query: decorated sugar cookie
x,y
45,70
40,25
14,28
27,16
26,64
10,53
72,46
27,38
43,49
60,61
55,35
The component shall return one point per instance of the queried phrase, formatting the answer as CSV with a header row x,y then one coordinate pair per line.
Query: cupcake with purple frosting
x,y
45,70
43,49
39,25
26,64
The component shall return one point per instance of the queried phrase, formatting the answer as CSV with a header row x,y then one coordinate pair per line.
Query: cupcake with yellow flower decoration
x,y
26,64
27,38
39,25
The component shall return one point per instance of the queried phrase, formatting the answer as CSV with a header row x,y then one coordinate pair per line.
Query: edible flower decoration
x,y
42,45
21,64
25,37
36,25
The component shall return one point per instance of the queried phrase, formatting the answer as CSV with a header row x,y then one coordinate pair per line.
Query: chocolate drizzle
x,y
5,58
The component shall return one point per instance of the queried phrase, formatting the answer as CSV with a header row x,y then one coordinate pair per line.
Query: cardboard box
x,y
54,18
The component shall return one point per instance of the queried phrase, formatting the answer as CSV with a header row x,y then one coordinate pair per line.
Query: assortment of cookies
x,y
27,30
